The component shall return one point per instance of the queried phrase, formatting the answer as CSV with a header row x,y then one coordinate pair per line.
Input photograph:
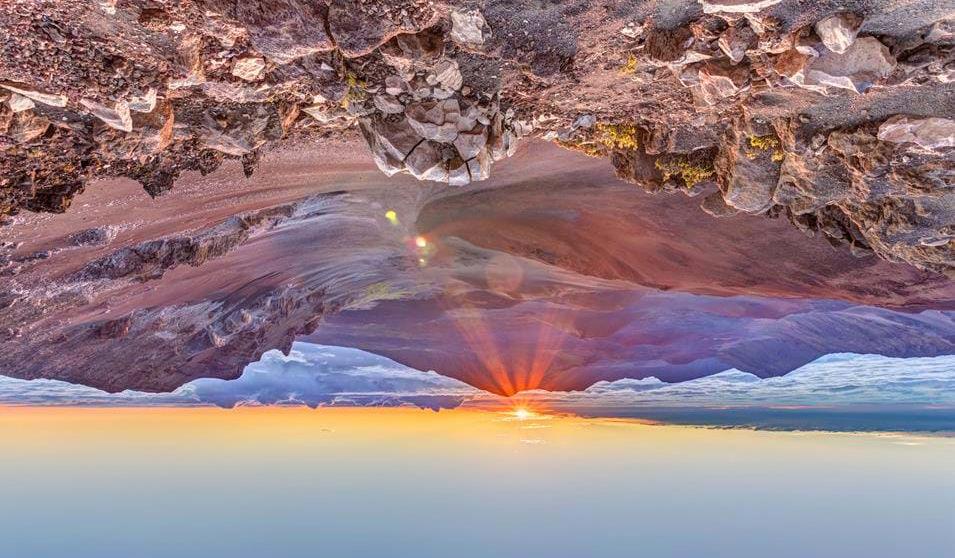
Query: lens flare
x,y
421,242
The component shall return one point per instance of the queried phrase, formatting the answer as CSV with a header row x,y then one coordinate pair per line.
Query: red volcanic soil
x,y
580,217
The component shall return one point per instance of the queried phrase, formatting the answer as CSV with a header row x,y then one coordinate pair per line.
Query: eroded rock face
x,y
752,101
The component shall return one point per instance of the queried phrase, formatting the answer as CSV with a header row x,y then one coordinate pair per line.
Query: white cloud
x,y
310,375
316,375
840,379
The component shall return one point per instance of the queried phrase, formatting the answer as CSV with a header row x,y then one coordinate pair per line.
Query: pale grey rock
x,y
719,81
441,94
27,126
388,104
37,96
468,28
470,143
632,30
715,205
427,162
437,120
108,6
19,103
320,112
397,137
715,87
458,174
235,92
448,75
941,32
249,68
839,31
862,65
929,133
143,103
858,68
395,86
936,241
689,76
735,41
117,117
390,142
237,133
225,143
480,166
584,121
521,128
386,162
736,6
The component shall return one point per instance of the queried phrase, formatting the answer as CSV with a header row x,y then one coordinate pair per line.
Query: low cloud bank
x,y
311,375
911,390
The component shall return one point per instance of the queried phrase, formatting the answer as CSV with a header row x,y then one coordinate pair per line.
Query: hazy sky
x,y
105,483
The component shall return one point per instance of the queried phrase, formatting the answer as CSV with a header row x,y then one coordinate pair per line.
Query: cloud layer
x,y
838,379
311,375
316,375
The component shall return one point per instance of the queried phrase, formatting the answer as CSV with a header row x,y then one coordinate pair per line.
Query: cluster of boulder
x,y
187,85
426,120
776,133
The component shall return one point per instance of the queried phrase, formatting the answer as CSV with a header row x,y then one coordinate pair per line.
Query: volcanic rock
x,y
735,41
249,68
865,63
838,31
437,120
19,103
427,162
737,6
117,117
468,28
930,133
38,96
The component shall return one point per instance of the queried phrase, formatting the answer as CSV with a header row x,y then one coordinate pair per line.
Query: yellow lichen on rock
x,y
765,143
617,136
605,138
630,66
691,174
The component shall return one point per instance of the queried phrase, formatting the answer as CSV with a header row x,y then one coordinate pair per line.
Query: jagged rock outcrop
x,y
835,118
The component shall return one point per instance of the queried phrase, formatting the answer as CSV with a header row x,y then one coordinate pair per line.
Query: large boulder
x,y
866,62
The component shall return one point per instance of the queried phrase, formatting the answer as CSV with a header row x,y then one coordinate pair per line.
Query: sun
x,y
522,413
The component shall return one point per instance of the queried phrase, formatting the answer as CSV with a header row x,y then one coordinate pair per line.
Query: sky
x,y
105,483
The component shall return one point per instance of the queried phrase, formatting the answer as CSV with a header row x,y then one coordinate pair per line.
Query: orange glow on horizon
x,y
512,368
